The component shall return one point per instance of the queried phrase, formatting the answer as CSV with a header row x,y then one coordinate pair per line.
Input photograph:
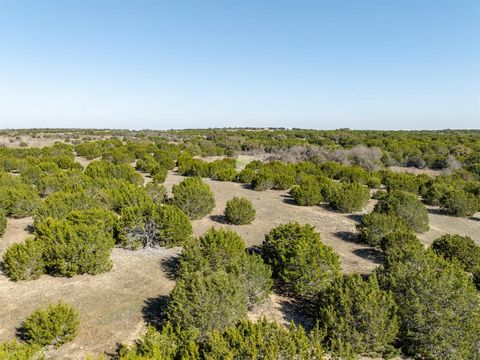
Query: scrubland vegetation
x,y
422,302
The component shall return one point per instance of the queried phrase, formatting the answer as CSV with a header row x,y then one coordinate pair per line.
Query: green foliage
x,y
223,170
217,249
257,276
71,248
239,211
357,317
349,197
404,182
156,191
193,197
152,225
307,192
299,259
459,248
19,201
376,226
55,325
104,170
406,206
438,306
23,261
206,302
120,194
262,340
13,350
3,222
459,203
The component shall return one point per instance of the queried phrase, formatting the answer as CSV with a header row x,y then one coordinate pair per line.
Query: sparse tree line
x,y
421,302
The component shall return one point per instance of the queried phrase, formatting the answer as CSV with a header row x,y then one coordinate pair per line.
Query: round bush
x,y
349,197
375,226
3,222
154,225
239,211
460,248
156,191
406,206
459,203
55,325
194,197
23,261
208,302
357,317
299,259
257,276
308,192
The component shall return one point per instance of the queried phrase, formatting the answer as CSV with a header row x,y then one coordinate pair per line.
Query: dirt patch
x,y
415,171
17,230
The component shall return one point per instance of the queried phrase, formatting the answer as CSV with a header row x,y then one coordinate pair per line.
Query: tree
x,y
460,248
357,317
407,206
262,340
438,305
152,225
193,197
55,325
257,276
376,226
99,170
24,261
19,202
3,222
216,300
459,203
299,259
16,351
74,248
307,192
349,197
239,211
217,249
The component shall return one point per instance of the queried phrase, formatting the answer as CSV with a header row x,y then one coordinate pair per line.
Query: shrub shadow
x,y
356,217
219,219
348,236
370,254
255,249
289,200
436,211
299,311
153,311
170,266
30,229
247,186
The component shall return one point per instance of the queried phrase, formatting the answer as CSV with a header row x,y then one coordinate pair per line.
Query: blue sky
x,y
363,64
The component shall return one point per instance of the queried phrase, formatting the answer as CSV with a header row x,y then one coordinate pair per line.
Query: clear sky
x,y
362,64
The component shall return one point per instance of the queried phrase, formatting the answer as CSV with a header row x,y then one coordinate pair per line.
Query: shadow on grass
x,y
348,236
298,311
370,254
153,310
170,266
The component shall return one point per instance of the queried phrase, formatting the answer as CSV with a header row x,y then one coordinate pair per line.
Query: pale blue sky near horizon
x,y
361,64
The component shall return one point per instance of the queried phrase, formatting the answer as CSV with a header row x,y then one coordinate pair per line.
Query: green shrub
x,y
206,302
438,306
257,276
402,182
159,174
263,180
239,211
459,203
99,170
358,317
55,325
74,248
433,191
307,192
152,225
406,206
246,176
299,259
23,261
223,170
460,248
156,191
3,222
349,197
217,249
120,194
13,350
19,202
193,197
263,340
376,226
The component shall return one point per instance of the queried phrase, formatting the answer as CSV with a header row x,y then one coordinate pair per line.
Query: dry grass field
x,y
114,306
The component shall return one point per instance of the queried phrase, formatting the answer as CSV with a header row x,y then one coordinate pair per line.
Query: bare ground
x,y
114,306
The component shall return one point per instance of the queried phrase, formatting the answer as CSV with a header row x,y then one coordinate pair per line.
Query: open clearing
x,y
113,306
